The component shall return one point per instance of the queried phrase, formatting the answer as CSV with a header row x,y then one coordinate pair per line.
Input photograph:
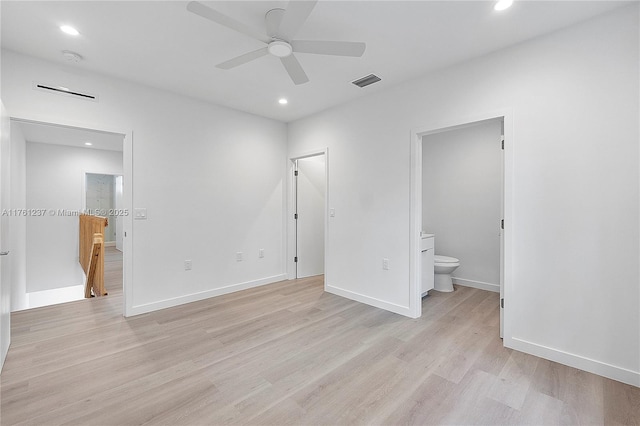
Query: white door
x,y
119,218
5,282
310,200
502,241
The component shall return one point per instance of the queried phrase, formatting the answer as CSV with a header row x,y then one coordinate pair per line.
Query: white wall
x,y
55,181
461,196
211,179
18,235
574,102
5,266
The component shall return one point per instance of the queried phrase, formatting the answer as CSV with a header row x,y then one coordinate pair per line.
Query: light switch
x,y
332,212
140,213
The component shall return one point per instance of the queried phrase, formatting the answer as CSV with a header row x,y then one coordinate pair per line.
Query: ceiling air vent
x,y
365,81
61,90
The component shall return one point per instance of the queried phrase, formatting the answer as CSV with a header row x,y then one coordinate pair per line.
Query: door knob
x,y
4,253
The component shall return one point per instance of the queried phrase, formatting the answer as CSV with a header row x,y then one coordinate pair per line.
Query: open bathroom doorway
x,y
477,180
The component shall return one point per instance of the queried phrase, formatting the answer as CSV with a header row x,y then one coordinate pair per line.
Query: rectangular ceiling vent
x,y
61,90
365,81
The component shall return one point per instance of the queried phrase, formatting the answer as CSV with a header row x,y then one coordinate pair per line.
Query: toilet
x,y
443,266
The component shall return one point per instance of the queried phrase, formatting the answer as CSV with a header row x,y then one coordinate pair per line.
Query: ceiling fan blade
x,y
224,20
294,69
243,59
294,16
338,48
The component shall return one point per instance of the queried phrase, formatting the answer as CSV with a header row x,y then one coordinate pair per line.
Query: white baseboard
x,y
398,309
37,299
576,361
109,243
477,284
194,297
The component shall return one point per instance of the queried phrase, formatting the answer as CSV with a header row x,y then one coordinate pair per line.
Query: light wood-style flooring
x,y
288,353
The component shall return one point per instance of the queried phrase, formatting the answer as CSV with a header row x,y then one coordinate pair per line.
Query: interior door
x,y
5,281
310,202
502,241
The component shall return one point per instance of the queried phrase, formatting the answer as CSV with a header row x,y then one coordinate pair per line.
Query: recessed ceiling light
x,y
503,4
283,101
69,30
88,143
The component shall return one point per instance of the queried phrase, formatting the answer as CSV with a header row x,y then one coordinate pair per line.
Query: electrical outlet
x,y
261,253
385,264
239,256
187,265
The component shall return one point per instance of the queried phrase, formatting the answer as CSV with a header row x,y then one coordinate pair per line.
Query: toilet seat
x,y
445,259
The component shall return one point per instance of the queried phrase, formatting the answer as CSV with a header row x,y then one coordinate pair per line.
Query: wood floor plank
x,y
289,353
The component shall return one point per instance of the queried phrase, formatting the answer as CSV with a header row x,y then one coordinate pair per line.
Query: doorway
x,y
103,197
54,159
503,223
309,201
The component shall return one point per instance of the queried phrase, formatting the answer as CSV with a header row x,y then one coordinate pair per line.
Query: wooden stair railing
x,y
91,253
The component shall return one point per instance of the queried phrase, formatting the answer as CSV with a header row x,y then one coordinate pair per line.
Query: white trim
x,y
415,225
576,361
194,297
371,301
477,284
109,243
54,296
291,225
127,173
127,240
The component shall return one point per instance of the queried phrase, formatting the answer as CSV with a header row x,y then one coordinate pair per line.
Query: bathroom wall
x,y
461,201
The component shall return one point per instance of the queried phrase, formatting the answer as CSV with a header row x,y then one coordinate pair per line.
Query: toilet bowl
x,y
443,266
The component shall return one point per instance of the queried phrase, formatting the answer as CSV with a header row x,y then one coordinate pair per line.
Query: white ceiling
x,y
161,44
70,136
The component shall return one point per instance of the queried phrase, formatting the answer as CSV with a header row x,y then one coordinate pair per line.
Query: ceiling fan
x,y
281,25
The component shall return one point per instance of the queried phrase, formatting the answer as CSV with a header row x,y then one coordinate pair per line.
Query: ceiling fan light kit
x,y
280,49
281,26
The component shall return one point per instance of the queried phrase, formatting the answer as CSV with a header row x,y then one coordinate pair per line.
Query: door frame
x,y
127,174
290,251
415,275
85,172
